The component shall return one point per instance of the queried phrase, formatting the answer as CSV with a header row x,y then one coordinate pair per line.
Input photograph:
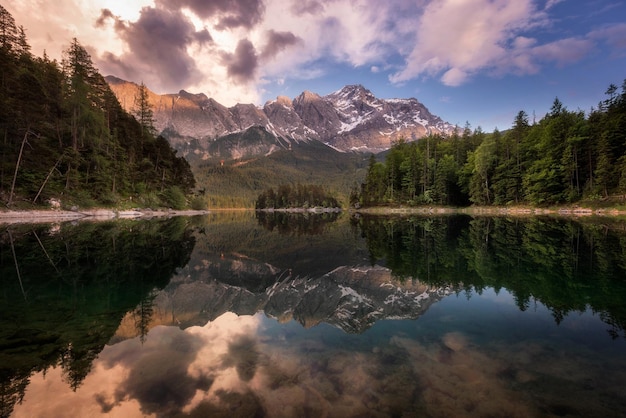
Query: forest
x,y
564,158
65,136
300,196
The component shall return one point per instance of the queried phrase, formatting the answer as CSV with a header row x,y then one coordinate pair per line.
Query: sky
x,y
469,61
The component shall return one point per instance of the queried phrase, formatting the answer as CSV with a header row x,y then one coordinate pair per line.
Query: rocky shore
x,y
46,216
51,215
573,211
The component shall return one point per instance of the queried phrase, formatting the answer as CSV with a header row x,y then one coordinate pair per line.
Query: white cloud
x,y
522,42
454,77
551,3
460,38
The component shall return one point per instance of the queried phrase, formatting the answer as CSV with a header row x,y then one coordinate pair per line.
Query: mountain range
x,y
350,119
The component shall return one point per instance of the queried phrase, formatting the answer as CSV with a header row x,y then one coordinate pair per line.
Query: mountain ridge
x,y
349,119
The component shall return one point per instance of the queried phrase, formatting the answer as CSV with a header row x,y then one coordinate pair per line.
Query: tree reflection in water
x,y
566,265
66,288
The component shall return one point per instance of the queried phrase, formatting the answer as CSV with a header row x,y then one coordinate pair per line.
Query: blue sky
x,y
476,61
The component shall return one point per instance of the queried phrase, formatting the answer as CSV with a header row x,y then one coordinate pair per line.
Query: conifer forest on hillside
x,y
64,135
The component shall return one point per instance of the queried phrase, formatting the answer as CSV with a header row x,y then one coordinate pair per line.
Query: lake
x,y
238,314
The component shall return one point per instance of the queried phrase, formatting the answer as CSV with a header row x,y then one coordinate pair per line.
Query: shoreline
x,y
516,211
54,216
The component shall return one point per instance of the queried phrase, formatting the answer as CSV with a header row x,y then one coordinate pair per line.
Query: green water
x,y
276,315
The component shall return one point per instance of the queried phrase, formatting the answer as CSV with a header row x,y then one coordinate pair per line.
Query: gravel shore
x,y
49,216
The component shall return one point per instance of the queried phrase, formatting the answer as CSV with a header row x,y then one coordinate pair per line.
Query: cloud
x,y
551,3
614,35
332,32
121,66
159,381
277,42
460,39
454,77
227,13
168,66
522,42
104,16
243,354
312,7
457,40
242,64
51,25
563,51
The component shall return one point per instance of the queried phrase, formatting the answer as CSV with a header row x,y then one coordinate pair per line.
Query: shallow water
x,y
229,315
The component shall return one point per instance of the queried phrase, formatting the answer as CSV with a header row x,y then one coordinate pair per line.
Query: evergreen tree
x,y
143,112
485,160
373,189
9,34
410,169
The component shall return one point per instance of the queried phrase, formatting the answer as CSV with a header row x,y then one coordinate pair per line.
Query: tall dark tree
x,y
373,189
9,34
143,111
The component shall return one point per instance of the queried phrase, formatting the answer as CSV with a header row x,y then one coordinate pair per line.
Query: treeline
x,y
565,157
63,134
300,196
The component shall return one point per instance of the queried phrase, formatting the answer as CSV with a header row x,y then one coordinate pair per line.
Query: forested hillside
x,y
237,183
565,157
64,135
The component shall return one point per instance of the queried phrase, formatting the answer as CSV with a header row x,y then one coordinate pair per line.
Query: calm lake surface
x,y
245,315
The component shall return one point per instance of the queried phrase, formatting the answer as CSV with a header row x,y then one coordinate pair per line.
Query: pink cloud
x,y
563,51
614,35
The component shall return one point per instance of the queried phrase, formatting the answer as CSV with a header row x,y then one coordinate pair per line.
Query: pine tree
x,y
373,189
9,34
485,160
143,111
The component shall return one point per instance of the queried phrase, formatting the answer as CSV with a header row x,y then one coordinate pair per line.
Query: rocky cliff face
x,y
351,119
368,123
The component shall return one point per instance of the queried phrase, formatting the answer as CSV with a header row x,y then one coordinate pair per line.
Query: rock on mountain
x,y
350,119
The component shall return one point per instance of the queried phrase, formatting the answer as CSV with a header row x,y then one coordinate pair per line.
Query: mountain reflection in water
x,y
314,315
